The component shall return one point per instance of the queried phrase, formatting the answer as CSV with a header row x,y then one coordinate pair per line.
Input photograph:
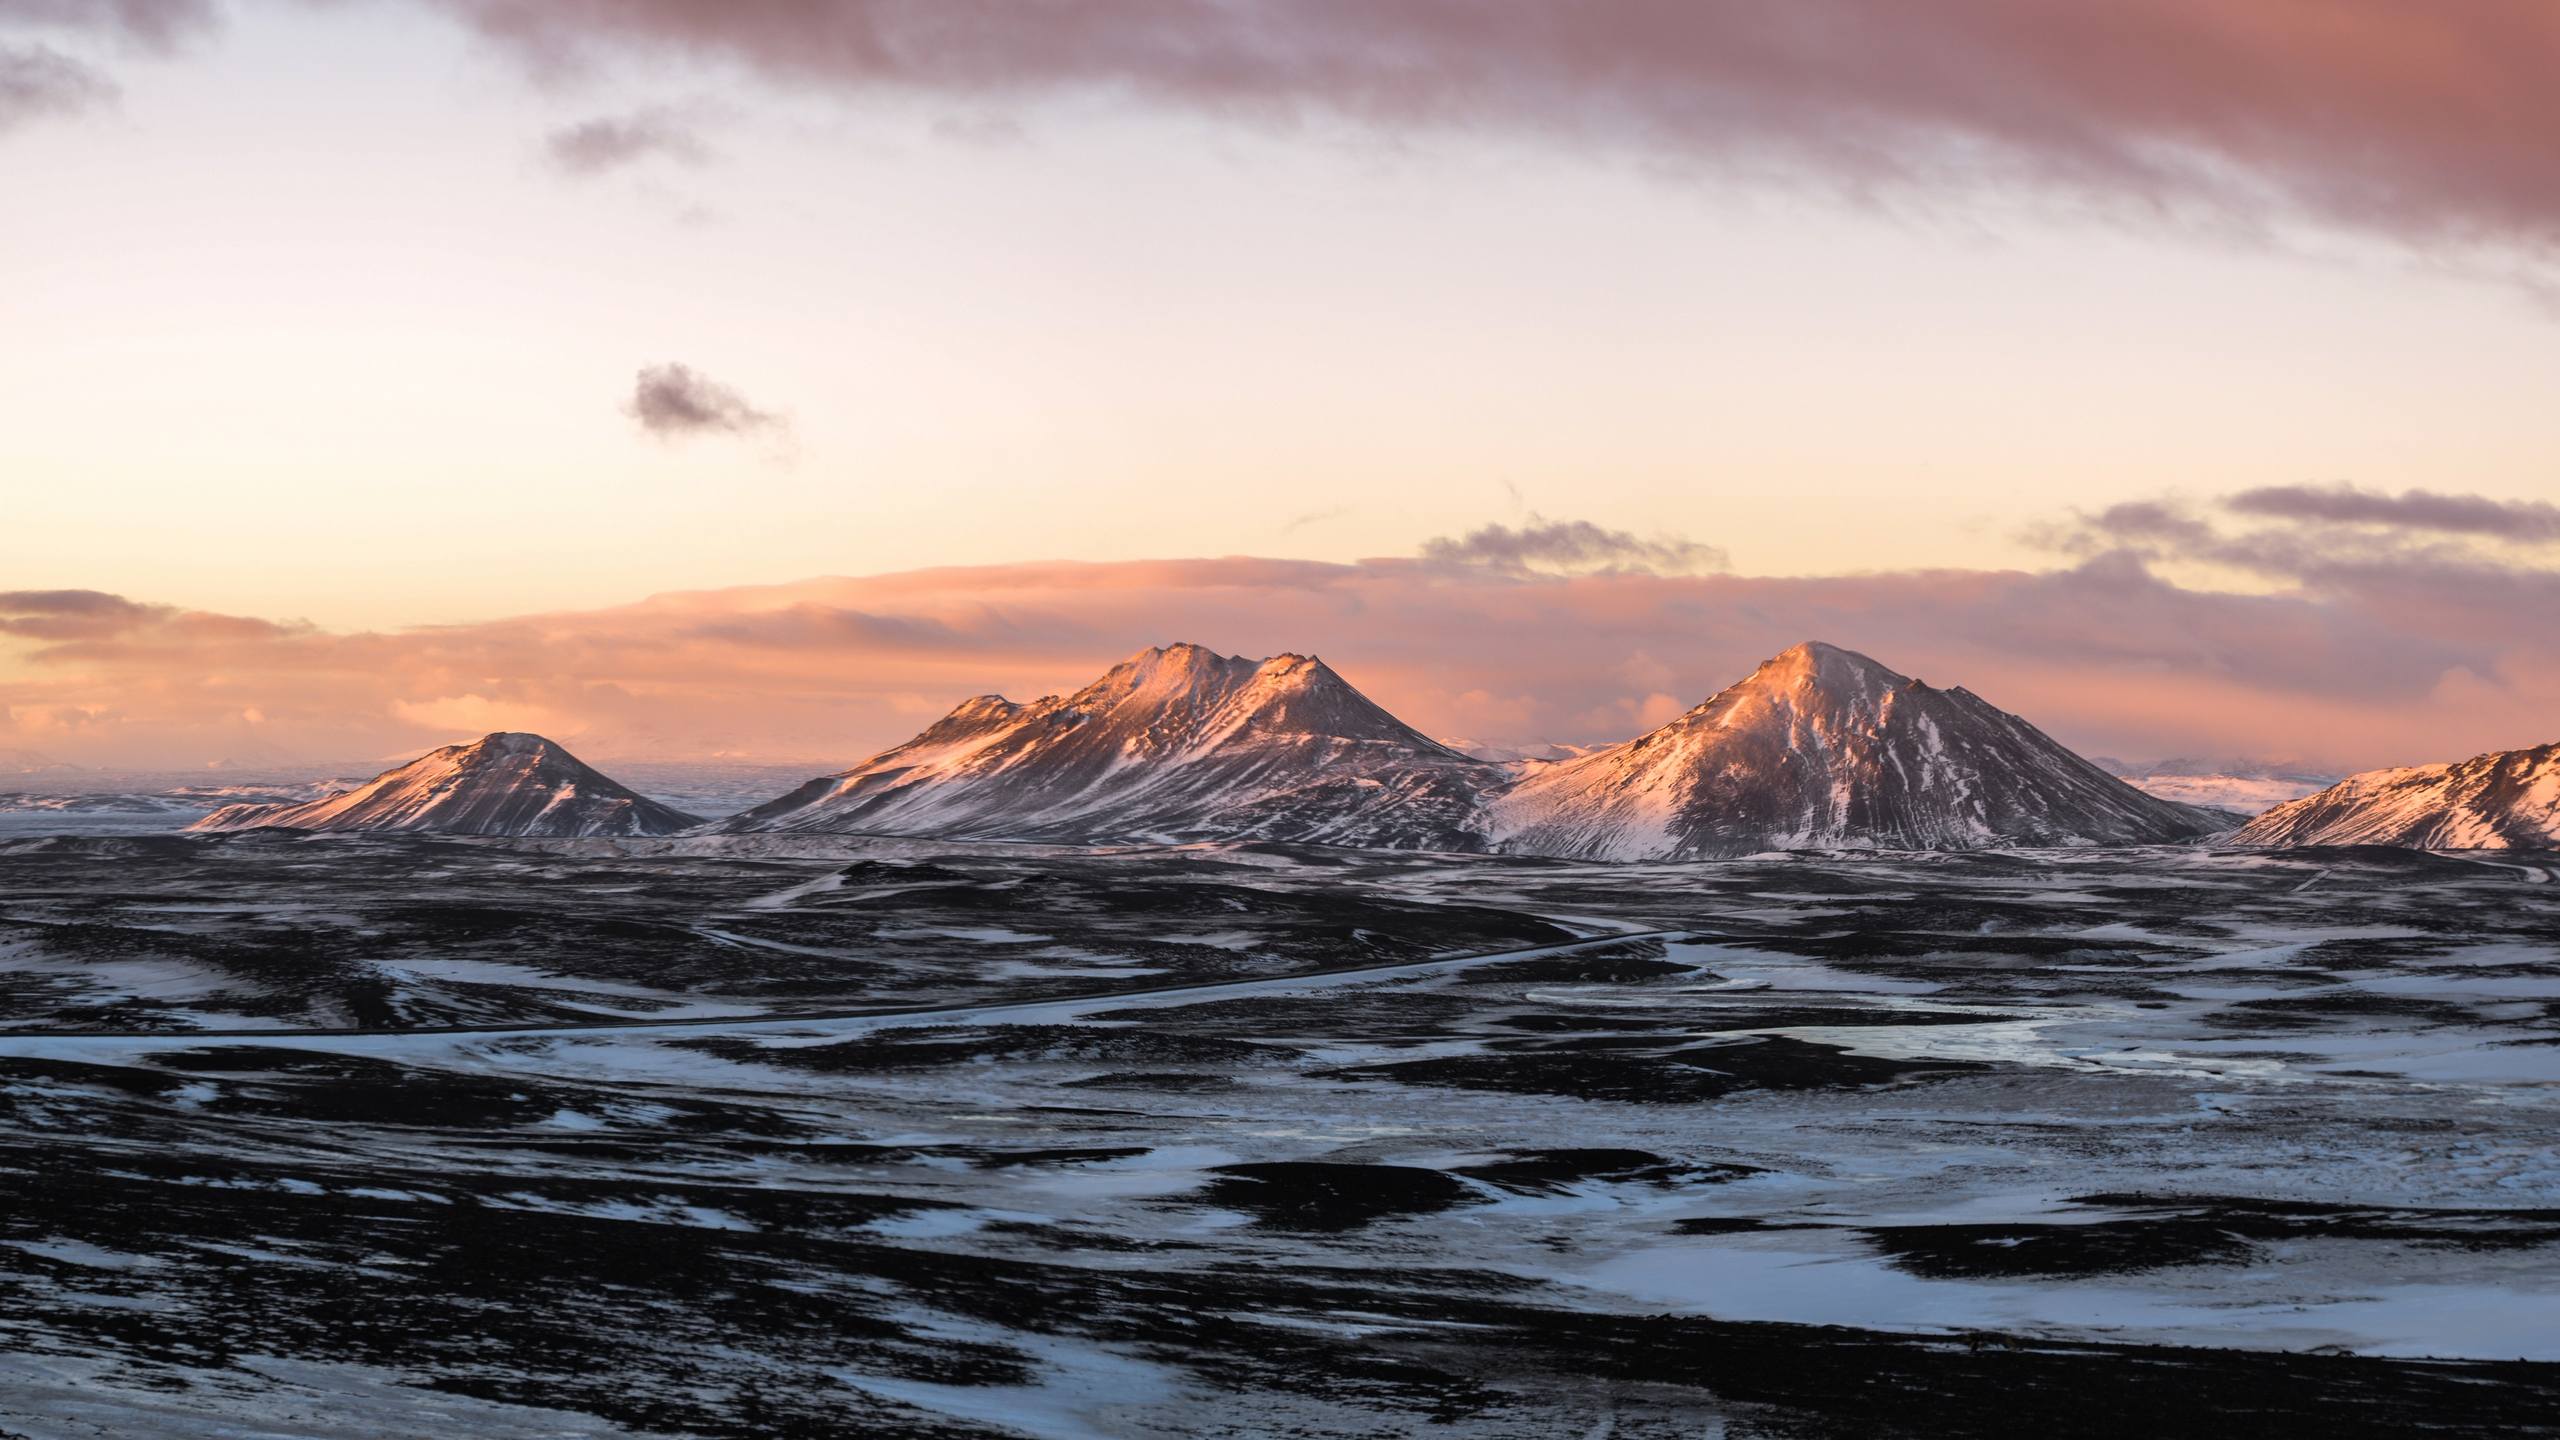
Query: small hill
x,y
506,783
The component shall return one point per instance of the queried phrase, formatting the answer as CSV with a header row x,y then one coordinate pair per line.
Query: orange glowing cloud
x,y
2385,661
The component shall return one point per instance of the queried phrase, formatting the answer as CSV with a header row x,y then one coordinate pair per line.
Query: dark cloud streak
x,y
38,83
2524,521
1569,547
609,143
2431,122
71,614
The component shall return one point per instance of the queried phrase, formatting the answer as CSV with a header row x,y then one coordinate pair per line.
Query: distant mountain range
x,y
2244,787
2505,800
501,784
167,800
1819,748
28,762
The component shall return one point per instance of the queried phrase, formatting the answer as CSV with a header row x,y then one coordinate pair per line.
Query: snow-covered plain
x,y
395,1135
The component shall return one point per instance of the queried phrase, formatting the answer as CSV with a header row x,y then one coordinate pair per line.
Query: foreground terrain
x,y
318,1136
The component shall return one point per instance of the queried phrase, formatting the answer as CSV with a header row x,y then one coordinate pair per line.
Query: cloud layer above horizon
x,y
2385,643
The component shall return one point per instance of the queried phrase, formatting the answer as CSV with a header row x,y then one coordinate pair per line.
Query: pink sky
x,y
2176,373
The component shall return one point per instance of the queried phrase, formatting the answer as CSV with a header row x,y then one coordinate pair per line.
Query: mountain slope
x,y
2505,800
1173,744
1820,748
502,784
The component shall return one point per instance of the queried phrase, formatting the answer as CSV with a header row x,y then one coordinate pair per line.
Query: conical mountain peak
x,y
508,782
1824,747
980,709
1813,665
510,742
1295,669
1178,663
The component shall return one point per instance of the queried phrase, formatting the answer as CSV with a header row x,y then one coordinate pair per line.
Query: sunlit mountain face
x,y
502,784
2505,801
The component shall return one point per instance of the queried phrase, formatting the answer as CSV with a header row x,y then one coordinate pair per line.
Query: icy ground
x,y
392,1137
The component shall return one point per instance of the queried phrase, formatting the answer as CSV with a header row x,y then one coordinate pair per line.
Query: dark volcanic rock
x,y
1316,1195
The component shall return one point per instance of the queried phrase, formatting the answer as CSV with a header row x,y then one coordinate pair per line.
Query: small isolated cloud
x,y
2146,528
2522,521
614,142
1541,546
673,401
1314,517
37,83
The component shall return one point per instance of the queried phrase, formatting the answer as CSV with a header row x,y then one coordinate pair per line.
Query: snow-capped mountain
x,y
28,762
502,784
2505,800
1174,743
1822,748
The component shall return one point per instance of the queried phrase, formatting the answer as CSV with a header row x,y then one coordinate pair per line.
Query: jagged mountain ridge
x,y
1175,743
1819,748
1825,748
2504,800
506,783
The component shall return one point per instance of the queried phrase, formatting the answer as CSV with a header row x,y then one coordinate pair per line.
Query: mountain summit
x,y
2504,800
1174,743
1821,748
508,783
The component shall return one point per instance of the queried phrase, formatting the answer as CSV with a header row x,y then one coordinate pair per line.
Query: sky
x,y
762,378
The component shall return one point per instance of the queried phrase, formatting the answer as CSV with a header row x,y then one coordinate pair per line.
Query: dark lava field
x,y
764,1137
